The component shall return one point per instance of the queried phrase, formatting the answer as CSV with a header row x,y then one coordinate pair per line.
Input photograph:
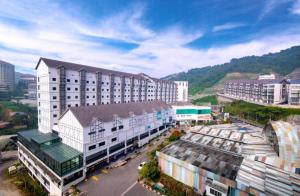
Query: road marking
x,y
104,171
95,178
128,189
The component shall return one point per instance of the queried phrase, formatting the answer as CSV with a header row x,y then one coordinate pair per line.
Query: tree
x,y
174,136
150,171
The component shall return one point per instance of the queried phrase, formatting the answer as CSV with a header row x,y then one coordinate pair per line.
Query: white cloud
x,y
270,5
158,53
227,26
296,7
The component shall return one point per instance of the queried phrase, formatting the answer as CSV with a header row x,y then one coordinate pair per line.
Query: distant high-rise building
x,y
182,91
30,83
7,76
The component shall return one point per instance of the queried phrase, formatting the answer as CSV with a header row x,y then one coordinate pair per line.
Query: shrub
x,y
150,171
174,136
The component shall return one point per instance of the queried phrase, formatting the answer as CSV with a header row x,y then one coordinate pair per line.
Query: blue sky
x,y
155,37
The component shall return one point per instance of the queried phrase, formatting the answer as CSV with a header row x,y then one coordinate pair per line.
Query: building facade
x,y
61,85
55,165
294,92
182,90
188,113
7,76
258,91
89,136
29,81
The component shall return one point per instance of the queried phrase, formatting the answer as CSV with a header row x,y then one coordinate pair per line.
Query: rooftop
x,y
239,138
38,137
269,176
56,150
106,113
223,164
79,67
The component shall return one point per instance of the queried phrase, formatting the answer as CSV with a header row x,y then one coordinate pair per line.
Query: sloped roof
x,y
105,113
78,67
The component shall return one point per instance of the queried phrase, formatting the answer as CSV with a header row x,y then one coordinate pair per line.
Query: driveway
x,y
119,181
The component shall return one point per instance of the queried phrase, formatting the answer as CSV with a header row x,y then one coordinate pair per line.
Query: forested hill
x,y
282,63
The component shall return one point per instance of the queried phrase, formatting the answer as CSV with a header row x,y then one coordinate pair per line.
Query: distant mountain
x,y
280,63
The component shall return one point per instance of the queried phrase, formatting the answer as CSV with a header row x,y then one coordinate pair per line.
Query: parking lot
x,y
118,181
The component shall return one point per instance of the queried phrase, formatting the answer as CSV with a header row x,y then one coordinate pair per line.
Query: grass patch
x,y
207,99
258,113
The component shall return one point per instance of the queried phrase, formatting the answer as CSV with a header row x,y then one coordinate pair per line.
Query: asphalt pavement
x,y
120,181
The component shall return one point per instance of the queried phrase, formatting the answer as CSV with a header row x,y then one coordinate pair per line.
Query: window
x,y
114,139
93,82
54,106
69,97
53,79
68,80
76,105
76,81
87,97
68,88
121,127
54,88
93,89
54,115
87,81
87,104
76,89
101,143
54,97
69,105
113,129
76,97
87,89
92,147
214,192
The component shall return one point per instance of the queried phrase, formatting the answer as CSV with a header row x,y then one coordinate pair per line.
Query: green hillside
x,y
281,63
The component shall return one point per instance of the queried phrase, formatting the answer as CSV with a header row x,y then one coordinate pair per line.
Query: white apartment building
x,y
61,85
107,131
258,91
294,92
182,91
88,136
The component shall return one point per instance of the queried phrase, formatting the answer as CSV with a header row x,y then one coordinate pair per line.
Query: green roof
x,y
61,152
38,136
58,151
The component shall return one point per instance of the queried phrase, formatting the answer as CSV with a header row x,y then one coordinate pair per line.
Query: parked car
x,y
141,165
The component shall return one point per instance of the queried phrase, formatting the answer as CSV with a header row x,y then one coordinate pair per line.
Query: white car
x,y
141,165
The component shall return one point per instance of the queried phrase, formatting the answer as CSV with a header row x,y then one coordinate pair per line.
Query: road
x,y
120,181
5,187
